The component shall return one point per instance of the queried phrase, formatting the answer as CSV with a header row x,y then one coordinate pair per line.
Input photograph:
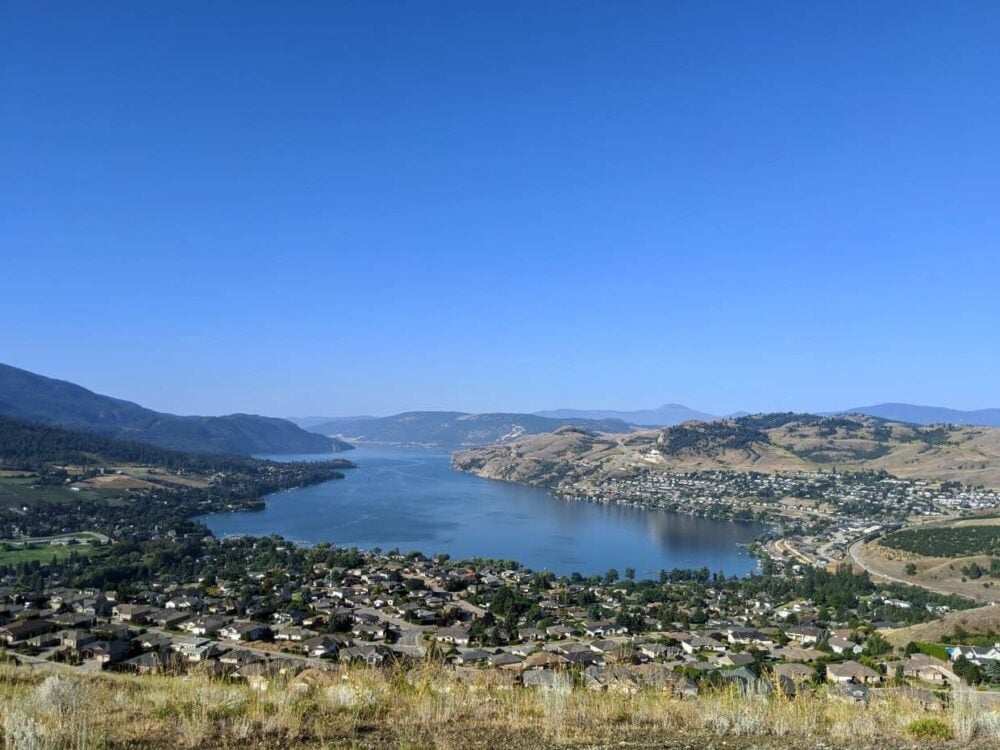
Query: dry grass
x,y
359,708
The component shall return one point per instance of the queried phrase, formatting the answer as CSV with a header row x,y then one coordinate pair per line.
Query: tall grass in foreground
x,y
429,708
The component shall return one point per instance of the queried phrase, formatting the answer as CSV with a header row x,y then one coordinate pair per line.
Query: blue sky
x,y
345,208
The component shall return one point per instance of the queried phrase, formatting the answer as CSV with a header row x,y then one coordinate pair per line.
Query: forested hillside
x,y
25,395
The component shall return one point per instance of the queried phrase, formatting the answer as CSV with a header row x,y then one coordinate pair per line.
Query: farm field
x,y
44,549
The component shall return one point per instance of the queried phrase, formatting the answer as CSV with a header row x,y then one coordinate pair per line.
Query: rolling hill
x,y
763,442
454,429
28,396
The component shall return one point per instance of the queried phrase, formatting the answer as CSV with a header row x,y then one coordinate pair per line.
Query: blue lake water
x,y
412,500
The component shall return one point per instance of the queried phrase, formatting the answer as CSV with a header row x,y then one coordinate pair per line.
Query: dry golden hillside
x,y
766,443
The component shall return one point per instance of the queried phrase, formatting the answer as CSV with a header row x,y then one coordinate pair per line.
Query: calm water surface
x,y
412,500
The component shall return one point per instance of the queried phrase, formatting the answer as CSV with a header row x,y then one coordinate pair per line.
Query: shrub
x,y
930,729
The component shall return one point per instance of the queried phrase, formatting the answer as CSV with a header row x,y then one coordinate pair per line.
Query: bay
x,y
413,500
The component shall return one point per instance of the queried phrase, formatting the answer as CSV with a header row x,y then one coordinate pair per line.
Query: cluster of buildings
x,y
605,635
824,494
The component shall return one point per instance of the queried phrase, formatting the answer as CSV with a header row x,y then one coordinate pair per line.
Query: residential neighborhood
x,y
534,629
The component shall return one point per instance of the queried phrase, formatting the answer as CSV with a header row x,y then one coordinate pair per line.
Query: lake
x,y
412,500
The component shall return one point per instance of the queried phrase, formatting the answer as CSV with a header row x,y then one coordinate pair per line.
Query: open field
x,y
979,621
130,476
43,549
427,708
15,492
942,575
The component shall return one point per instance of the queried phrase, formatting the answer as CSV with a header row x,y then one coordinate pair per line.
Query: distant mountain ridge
x,y
924,415
36,398
663,416
307,422
455,429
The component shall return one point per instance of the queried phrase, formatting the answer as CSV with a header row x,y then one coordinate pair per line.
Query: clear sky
x,y
365,207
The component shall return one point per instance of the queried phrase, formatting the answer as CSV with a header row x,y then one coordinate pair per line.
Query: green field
x,y
18,491
43,549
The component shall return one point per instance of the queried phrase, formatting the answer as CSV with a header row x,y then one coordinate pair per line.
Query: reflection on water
x,y
412,500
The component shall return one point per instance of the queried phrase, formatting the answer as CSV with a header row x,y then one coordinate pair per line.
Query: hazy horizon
x,y
348,209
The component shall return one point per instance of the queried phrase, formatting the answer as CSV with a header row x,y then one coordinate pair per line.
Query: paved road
x,y
411,636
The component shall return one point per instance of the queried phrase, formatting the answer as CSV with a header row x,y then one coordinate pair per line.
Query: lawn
x,y
13,552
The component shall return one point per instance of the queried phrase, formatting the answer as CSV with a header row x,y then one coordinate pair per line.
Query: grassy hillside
x,y
428,707
25,395
763,442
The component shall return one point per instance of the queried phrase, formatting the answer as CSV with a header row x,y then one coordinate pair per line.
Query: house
x,y
851,671
182,602
791,653
370,628
205,625
293,633
456,635
697,643
154,641
583,658
505,660
45,640
601,628
558,631
72,620
923,667
543,660
976,654
243,630
22,630
75,639
105,652
471,656
171,620
804,634
137,613
194,649
240,657
321,646
656,650
374,655
150,663
94,606
749,637
733,660
843,646
607,646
